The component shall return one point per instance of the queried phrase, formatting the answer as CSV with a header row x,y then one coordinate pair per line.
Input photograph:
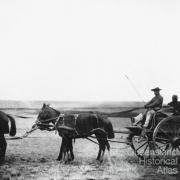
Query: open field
x,y
35,157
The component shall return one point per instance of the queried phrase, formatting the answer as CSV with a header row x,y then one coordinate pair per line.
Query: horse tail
x,y
12,131
110,130
107,126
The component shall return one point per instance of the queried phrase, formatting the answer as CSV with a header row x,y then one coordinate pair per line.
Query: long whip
x,y
134,87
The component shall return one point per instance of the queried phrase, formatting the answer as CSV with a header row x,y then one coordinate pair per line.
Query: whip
x,y
135,89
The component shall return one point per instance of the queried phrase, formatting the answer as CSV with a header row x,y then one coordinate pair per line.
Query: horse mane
x,y
58,112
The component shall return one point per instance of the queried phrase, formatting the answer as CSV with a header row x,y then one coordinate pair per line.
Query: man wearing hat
x,y
152,106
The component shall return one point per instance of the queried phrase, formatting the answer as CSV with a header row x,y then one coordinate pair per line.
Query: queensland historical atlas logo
x,y
166,163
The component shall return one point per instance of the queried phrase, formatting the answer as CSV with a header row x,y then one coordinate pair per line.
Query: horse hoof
x,y
58,159
72,158
101,161
66,162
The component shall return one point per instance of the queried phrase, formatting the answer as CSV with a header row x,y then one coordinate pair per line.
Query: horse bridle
x,y
38,123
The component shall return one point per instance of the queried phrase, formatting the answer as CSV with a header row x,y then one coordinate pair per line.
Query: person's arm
x,y
147,104
169,104
155,103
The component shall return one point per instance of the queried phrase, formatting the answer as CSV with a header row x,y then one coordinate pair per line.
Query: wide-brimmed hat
x,y
156,89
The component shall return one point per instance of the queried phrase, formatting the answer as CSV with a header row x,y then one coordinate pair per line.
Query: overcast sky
x,y
82,50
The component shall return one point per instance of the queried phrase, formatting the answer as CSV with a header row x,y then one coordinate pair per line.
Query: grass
x,y
35,158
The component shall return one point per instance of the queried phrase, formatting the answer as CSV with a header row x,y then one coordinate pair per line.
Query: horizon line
x,y
72,100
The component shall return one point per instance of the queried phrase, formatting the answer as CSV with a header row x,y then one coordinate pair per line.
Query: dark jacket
x,y
176,107
155,103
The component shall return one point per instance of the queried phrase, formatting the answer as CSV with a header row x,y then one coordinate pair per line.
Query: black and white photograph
x,y
89,89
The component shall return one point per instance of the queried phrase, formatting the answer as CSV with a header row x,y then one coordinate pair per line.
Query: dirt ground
x,y
35,158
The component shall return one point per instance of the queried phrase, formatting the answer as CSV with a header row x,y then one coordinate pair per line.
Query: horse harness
x,y
61,116
63,122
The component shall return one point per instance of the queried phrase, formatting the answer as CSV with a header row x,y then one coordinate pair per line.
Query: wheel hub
x,y
175,142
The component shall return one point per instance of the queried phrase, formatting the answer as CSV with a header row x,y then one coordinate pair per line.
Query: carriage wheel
x,y
166,136
143,147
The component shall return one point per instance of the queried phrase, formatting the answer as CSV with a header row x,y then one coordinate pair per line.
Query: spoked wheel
x,y
166,136
143,147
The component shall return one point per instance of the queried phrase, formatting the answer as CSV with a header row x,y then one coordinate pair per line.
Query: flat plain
x,y
34,157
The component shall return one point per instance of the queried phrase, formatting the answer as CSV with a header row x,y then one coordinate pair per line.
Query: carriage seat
x,y
158,116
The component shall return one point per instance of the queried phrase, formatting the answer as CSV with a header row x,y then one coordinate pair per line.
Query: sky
x,y
82,50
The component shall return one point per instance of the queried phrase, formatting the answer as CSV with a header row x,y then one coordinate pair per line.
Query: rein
x,y
35,127
18,116
23,136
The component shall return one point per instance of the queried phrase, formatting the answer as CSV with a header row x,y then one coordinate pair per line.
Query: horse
x,y
4,129
73,126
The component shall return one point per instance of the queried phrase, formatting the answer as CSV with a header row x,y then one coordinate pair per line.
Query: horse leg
x,y
103,150
3,145
108,148
69,141
65,150
64,153
61,150
107,145
71,150
100,149
102,139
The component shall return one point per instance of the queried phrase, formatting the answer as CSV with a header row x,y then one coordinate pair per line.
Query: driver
x,y
151,107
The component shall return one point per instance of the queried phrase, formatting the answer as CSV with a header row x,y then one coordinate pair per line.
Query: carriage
x,y
161,137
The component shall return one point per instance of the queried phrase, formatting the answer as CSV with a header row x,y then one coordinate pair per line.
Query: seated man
x,y
175,104
152,106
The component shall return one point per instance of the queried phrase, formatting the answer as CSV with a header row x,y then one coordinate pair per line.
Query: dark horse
x,y
76,126
4,129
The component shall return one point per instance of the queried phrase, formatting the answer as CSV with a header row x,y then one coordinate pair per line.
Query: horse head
x,y
46,116
46,113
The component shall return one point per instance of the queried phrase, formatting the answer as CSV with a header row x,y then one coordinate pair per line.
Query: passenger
x,y
151,107
175,104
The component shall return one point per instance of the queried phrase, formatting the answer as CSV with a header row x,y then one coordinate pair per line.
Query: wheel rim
x,y
166,136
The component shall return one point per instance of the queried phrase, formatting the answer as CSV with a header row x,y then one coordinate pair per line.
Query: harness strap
x,y
55,125
75,119
60,115
49,120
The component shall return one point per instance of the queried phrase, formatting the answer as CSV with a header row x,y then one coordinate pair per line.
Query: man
x,y
152,106
175,104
